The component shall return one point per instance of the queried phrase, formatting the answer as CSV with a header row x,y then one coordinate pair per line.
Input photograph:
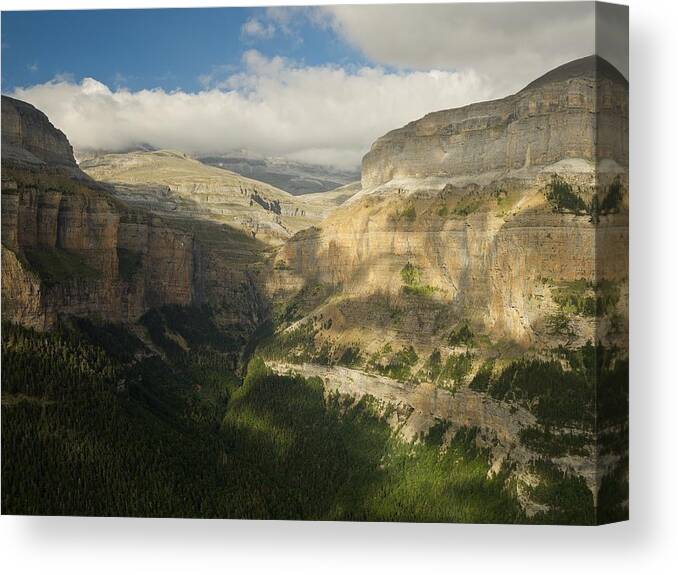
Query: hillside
x,y
297,178
170,182
71,247
487,248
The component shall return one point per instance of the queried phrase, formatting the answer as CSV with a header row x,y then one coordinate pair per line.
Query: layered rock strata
x,y
71,248
463,196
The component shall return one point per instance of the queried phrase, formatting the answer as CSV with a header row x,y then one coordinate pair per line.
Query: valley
x,y
445,340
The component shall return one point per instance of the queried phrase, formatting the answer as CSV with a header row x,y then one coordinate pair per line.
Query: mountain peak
x,y
548,121
29,138
592,67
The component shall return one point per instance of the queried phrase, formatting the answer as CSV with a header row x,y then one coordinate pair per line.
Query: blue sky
x,y
317,84
165,48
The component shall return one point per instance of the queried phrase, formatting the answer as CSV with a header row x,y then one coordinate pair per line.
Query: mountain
x,y
29,139
445,340
170,183
297,178
546,122
487,248
71,247
460,195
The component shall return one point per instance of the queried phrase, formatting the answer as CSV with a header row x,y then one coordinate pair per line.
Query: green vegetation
x,y
481,380
171,327
297,345
411,278
613,495
92,435
97,425
410,274
612,201
56,265
586,298
563,198
559,324
446,374
590,391
466,206
433,366
461,335
557,396
551,444
351,357
569,499
305,300
396,365
455,370
501,196
334,459
408,215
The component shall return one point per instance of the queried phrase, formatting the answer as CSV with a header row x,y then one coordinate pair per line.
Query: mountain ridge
x,y
546,122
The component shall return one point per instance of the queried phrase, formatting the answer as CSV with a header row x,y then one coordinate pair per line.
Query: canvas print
x,y
362,263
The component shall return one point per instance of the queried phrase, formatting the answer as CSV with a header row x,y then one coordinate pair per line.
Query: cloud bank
x,y
320,114
511,43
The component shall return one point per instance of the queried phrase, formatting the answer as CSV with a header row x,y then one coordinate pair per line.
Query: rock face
x,y
420,407
28,136
461,195
297,178
483,239
171,183
556,117
71,248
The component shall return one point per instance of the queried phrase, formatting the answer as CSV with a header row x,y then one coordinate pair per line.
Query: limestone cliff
x,y
579,110
29,137
71,248
469,199
171,183
486,250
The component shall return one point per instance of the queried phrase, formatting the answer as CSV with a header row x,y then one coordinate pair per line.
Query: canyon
x,y
482,245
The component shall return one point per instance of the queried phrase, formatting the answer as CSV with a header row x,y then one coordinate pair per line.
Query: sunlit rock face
x,y
171,183
462,195
557,117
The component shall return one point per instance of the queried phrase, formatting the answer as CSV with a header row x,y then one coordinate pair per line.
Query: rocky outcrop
x,y
579,110
29,137
507,218
70,247
461,195
419,407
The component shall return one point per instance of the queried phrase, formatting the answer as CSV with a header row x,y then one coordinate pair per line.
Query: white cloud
x,y
284,19
256,29
512,43
319,114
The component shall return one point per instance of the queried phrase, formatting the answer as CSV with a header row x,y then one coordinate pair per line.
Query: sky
x,y
315,84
